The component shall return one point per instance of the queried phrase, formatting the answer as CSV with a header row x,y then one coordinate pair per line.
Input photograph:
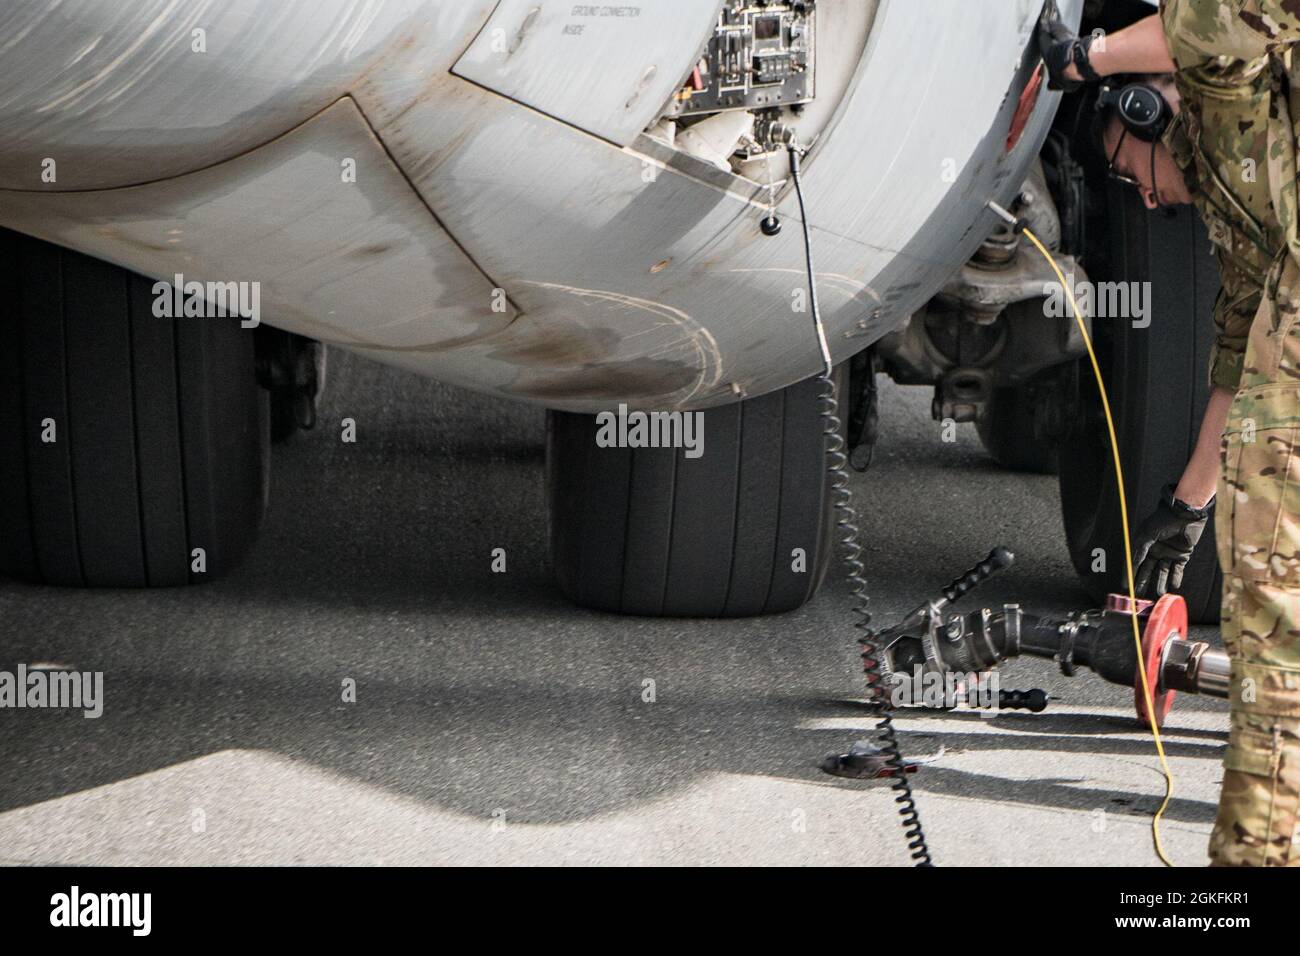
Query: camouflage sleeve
x,y
1234,313
1199,30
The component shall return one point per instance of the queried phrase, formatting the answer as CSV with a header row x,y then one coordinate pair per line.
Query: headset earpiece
x,y
1141,107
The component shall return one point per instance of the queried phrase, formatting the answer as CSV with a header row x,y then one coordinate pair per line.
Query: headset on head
x,y
1143,112
1141,107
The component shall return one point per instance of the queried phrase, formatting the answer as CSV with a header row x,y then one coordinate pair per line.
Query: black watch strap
x,y
1183,509
1079,54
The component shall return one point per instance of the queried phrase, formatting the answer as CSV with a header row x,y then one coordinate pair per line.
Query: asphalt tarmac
x,y
494,723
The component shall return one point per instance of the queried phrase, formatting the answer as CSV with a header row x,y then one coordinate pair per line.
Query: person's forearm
x,y
1201,477
1140,48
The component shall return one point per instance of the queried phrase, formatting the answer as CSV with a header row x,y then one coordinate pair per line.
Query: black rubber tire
x,y
1007,432
1158,381
161,430
648,531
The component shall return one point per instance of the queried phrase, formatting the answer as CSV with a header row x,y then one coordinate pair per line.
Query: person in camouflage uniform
x,y
1235,144
1258,517
1219,142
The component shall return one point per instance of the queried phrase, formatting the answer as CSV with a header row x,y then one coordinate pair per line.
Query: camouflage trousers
x,y
1257,521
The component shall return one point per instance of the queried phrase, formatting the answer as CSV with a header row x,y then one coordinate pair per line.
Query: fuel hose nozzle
x,y
1098,640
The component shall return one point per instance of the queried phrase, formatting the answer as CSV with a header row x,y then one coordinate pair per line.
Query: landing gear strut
x,y
292,368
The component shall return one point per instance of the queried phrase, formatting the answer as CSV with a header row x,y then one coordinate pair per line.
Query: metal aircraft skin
x,y
501,194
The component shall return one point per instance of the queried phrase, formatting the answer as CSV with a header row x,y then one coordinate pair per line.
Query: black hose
x,y
846,521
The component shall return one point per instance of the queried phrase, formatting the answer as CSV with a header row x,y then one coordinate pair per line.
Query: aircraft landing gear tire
x,y
1158,380
1007,432
127,441
743,530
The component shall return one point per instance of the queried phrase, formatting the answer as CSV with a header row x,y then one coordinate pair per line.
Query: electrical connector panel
x,y
762,55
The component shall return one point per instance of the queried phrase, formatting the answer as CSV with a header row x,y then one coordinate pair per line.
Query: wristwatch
x,y
1079,56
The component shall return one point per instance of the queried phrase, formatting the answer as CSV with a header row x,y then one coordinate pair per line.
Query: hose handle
x,y
1032,700
997,559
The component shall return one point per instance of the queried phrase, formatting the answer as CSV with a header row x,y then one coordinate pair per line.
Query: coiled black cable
x,y
846,520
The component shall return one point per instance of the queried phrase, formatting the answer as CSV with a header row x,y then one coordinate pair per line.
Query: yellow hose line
x,y
1128,547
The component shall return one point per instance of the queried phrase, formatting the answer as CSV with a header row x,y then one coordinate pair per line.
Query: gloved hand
x,y
1060,48
1164,544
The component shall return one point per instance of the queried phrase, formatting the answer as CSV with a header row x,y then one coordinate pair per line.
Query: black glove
x,y
1060,47
1164,544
